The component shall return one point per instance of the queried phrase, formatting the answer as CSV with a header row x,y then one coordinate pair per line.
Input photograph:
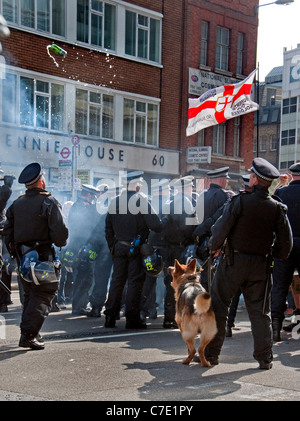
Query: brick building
x,y
122,88
220,48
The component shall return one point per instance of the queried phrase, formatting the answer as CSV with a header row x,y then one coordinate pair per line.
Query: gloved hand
x,y
8,180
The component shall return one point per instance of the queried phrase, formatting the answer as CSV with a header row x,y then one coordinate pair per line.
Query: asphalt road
x,y
83,361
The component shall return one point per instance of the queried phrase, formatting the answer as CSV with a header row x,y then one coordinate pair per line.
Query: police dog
x,y
193,310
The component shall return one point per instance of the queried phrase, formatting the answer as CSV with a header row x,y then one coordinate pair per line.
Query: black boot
x,y
276,326
28,340
228,333
110,321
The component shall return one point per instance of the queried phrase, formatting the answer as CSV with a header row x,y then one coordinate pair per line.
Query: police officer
x,y
83,218
34,221
208,208
284,269
179,222
129,220
5,274
249,224
160,198
103,264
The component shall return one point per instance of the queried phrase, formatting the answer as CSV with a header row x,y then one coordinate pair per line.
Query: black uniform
x,y
284,269
5,276
121,228
83,218
250,222
35,218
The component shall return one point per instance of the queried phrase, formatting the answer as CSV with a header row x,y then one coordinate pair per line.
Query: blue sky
x,y
279,27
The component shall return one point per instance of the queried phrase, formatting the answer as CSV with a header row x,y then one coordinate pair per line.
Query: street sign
x,y
75,140
198,154
65,156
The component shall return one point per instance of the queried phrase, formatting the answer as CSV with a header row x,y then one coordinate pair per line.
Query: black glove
x,y
8,180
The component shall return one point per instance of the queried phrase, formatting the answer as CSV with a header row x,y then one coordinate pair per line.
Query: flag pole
x,y
257,115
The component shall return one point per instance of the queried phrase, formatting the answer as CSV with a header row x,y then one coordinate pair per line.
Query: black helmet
x,y
190,253
87,254
32,270
153,264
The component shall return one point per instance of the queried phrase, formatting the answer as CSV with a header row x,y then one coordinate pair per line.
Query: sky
x,y
278,27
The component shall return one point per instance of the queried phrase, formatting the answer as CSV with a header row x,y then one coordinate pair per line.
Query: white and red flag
x,y
220,104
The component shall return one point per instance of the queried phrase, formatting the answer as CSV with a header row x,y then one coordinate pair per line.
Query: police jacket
x,y
179,221
82,220
290,196
159,203
5,193
35,217
251,222
129,215
214,198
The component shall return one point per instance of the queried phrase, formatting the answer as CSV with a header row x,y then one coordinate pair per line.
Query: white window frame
x,y
18,21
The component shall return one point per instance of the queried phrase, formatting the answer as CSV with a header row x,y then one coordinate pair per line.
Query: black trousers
x,y
249,273
282,278
128,269
37,305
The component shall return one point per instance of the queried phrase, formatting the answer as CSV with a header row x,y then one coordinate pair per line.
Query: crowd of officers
x,y
99,242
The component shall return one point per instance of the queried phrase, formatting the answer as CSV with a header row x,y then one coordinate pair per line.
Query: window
x,y
273,143
40,15
255,145
41,104
94,114
219,135
263,143
289,105
271,96
240,54
288,137
222,51
265,116
96,23
142,36
204,43
275,116
140,122
9,98
286,164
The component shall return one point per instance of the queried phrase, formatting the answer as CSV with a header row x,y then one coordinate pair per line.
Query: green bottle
x,y
58,50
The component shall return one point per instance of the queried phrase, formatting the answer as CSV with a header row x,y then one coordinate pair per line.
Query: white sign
x,y
201,81
198,154
65,156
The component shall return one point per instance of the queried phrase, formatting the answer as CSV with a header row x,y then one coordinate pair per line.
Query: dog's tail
x,y
202,302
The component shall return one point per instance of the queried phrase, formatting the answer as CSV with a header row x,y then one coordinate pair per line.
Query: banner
x,y
220,104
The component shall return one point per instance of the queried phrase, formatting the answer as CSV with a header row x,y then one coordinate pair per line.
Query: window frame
x,y
222,48
136,118
97,106
17,5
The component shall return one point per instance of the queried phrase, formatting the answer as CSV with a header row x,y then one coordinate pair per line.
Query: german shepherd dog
x,y
194,313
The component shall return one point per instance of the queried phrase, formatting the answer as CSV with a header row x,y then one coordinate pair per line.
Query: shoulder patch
x,y
21,196
46,193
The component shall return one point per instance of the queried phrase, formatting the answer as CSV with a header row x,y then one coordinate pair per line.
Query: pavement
x,y
84,361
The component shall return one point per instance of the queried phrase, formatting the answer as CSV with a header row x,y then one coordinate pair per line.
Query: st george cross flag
x,y
220,104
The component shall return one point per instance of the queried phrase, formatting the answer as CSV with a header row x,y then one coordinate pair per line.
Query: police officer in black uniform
x,y
5,270
35,222
130,218
209,208
249,223
284,269
82,220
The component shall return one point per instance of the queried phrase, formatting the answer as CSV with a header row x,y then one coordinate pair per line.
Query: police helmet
x,y
190,253
68,259
87,254
153,264
32,270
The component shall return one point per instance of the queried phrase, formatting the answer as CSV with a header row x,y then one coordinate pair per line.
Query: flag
x,y
220,104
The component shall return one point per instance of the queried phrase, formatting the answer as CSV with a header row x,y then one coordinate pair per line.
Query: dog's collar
x,y
192,277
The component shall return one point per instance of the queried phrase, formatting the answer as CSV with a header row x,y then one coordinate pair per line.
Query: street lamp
x,y
281,3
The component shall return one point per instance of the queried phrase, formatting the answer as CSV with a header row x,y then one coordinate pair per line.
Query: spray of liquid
x,y
56,50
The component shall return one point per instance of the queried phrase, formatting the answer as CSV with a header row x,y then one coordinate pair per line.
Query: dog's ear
x,y
171,270
192,265
178,268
